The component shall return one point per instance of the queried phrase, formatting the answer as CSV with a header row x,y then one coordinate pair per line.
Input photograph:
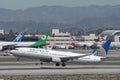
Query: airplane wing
x,y
65,59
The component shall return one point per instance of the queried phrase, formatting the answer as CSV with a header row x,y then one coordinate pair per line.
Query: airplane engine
x,y
56,59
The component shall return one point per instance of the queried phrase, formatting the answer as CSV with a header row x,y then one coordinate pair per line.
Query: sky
x,y
24,4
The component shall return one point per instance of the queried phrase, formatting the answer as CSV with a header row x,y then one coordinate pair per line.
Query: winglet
x,y
19,37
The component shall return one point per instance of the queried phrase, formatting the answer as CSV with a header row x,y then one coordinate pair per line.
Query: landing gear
x,y
63,64
57,64
40,62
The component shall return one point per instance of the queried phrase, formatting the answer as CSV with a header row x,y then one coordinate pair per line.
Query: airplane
x,y
75,43
40,42
61,57
19,37
6,44
102,40
17,43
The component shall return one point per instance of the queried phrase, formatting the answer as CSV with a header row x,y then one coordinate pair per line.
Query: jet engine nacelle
x,y
56,59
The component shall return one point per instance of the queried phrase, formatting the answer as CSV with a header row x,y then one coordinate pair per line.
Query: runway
x,y
26,68
52,70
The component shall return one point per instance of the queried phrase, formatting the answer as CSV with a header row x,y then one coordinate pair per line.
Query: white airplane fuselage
x,y
88,44
25,43
53,55
17,44
3,43
115,44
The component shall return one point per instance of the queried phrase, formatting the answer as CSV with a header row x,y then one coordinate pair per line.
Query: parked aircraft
x,y
5,44
19,37
86,44
17,43
113,44
101,39
40,42
60,57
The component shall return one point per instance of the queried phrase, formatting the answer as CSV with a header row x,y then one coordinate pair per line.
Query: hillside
x,y
44,18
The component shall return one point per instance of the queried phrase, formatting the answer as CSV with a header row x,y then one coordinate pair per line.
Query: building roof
x,y
110,32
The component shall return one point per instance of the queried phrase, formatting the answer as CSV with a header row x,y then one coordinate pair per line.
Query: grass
x,y
63,77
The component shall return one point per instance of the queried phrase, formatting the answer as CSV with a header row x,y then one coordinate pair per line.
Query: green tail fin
x,y
41,41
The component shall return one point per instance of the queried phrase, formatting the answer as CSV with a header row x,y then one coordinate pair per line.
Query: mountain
x,y
44,18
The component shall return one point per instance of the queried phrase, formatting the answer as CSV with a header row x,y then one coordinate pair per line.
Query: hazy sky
x,y
23,4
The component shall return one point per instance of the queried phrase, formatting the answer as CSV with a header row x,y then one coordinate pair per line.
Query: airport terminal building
x,y
115,35
59,39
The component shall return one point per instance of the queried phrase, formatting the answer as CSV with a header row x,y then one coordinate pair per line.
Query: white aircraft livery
x,y
113,44
6,44
60,57
87,44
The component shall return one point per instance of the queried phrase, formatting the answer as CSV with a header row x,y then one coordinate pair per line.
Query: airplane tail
x,y
73,41
41,41
101,39
103,50
19,37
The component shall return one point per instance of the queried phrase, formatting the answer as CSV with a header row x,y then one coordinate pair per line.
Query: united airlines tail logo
x,y
100,52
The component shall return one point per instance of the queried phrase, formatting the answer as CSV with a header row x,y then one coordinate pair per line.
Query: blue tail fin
x,y
19,37
106,45
103,50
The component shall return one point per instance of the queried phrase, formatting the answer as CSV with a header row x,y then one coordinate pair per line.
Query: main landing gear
x,y
57,64
63,64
